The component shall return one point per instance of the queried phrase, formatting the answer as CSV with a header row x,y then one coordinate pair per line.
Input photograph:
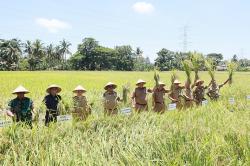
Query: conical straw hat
x,y
161,83
79,88
59,89
199,81
140,81
177,82
110,84
20,89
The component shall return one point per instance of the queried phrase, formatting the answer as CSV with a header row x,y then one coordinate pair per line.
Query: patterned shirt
x,y
22,108
158,95
176,93
199,93
110,100
80,102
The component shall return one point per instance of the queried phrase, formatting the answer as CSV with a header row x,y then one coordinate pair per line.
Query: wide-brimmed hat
x,y
20,89
177,82
79,88
161,83
140,81
199,81
59,89
110,84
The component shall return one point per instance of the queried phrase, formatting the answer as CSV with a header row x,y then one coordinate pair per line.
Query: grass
x,y
210,135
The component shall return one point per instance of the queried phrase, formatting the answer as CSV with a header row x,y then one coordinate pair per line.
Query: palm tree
x,y
57,55
50,55
29,51
38,51
28,48
10,53
35,52
64,50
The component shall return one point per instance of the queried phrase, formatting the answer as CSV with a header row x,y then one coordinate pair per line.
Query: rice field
x,y
216,134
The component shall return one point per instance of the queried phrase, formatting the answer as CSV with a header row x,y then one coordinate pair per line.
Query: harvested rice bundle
x,y
231,67
125,91
210,67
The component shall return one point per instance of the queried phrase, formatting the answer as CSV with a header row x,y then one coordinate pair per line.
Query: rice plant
x,y
231,67
196,59
173,78
125,91
210,67
187,68
156,78
217,134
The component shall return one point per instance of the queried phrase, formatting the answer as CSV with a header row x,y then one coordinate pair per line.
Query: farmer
x,y
158,98
81,109
214,88
139,96
176,93
51,101
110,99
21,107
188,96
199,92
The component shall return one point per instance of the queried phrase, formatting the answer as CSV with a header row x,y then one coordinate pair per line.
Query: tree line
x,y
90,55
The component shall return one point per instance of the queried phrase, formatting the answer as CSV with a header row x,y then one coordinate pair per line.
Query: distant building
x,y
221,67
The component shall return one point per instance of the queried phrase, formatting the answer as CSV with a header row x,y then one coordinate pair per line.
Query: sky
x,y
212,26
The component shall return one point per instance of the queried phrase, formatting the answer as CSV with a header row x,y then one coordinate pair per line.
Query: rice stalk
x,y
156,78
173,78
196,59
187,68
210,67
231,68
125,91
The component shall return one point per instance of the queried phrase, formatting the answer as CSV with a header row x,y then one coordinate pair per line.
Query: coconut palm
x,y
50,59
28,48
35,52
64,49
11,52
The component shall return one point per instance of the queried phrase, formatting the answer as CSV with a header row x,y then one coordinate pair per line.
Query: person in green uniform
x,y
81,108
140,96
158,98
21,107
214,89
110,99
188,95
199,92
176,94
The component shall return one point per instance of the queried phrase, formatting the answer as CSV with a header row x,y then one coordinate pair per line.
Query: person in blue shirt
x,y
52,101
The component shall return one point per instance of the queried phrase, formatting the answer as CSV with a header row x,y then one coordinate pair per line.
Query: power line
x,y
185,38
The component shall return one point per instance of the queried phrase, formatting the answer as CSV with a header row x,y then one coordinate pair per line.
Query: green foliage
x,y
10,53
216,58
168,60
90,55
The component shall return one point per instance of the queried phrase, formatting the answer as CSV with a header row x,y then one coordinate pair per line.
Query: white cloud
x,y
143,7
52,25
